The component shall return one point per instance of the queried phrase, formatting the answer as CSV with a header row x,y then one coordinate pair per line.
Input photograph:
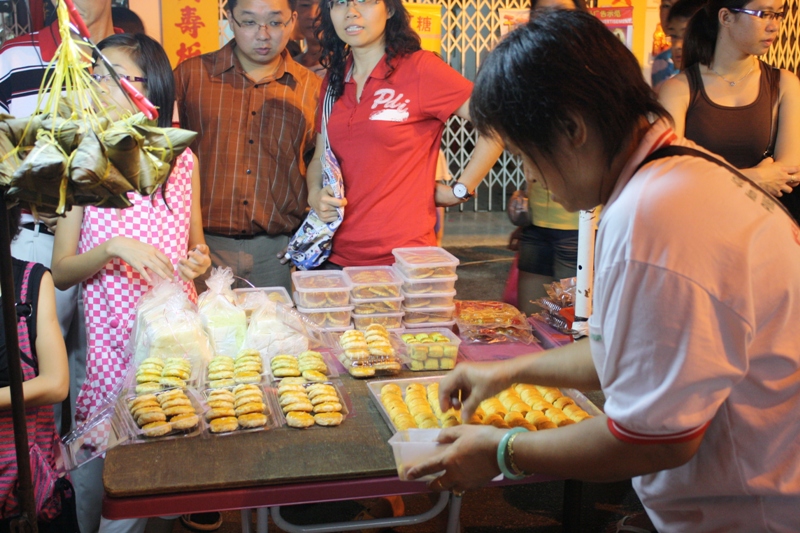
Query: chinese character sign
x,y
189,28
619,20
426,20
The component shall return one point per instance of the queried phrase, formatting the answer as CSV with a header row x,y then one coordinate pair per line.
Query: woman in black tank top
x,y
734,105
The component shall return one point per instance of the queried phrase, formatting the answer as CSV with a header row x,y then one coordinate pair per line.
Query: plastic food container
x,y
270,410
369,363
373,282
428,315
327,357
376,305
426,262
388,320
412,447
332,317
412,287
448,324
431,349
176,427
252,299
321,289
441,299
343,400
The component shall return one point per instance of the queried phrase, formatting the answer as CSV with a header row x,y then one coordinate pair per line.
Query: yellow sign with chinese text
x,y
189,28
426,20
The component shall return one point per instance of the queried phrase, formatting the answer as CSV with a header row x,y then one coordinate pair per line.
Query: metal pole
x,y
27,519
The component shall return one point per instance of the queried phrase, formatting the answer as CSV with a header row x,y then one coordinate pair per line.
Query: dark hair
x,y
14,219
230,4
400,40
701,33
580,5
685,9
152,60
127,20
561,63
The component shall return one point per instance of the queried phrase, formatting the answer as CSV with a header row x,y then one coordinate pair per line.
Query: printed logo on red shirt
x,y
393,106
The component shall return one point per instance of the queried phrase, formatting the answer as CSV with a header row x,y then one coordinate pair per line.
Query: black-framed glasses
x,y
99,78
777,16
342,4
251,26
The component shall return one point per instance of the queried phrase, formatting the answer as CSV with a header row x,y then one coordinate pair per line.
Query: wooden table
x,y
263,469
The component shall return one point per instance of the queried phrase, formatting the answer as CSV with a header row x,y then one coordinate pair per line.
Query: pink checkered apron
x,y
111,295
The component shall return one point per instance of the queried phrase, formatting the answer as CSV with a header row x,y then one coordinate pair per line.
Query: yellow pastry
x,y
185,421
253,420
156,429
298,419
224,424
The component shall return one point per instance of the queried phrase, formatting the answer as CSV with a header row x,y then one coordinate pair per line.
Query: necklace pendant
x,y
733,84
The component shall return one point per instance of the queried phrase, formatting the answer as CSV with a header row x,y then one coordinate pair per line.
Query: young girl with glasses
x,y
117,254
392,100
731,103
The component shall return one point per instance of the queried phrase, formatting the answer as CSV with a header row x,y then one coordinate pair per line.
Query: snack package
x,y
491,322
167,325
225,323
274,329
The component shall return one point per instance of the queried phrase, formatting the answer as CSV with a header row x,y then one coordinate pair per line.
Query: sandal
x,y
623,527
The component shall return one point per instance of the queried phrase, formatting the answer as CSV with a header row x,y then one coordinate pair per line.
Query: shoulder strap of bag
x,y
24,310
774,80
671,151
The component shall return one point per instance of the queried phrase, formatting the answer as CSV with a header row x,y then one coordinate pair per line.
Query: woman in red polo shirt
x,y
392,102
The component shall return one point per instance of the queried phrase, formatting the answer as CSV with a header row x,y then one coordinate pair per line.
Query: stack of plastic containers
x,y
376,297
428,289
323,296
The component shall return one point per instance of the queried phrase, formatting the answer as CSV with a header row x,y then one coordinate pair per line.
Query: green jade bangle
x,y
504,453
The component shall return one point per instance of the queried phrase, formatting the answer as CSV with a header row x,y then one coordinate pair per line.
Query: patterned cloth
x,y
111,295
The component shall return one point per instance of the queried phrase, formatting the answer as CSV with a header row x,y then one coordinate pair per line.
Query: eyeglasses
x,y
100,78
341,5
766,15
251,26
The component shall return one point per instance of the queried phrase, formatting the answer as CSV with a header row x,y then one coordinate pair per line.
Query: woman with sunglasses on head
x,y
392,100
117,254
731,103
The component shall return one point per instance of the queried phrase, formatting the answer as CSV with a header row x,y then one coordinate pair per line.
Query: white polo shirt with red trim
x,y
696,330
387,145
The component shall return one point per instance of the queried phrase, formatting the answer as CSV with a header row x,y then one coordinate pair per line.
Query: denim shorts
x,y
549,252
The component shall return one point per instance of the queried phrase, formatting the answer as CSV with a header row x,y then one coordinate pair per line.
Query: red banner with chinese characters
x,y
189,28
619,20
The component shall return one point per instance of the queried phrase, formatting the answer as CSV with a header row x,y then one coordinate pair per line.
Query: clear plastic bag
x,y
225,323
167,325
491,322
271,335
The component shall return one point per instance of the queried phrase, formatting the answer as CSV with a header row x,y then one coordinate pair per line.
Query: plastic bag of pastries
x,y
225,323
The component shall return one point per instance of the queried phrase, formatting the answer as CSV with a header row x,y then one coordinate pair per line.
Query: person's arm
x,y
778,174
674,95
485,154
321,199
586,451
197,260
70,268
567,366
52,384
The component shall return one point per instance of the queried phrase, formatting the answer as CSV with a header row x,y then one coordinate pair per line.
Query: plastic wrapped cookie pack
x,y
370,353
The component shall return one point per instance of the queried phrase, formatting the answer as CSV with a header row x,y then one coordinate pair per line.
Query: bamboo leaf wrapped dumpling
x,y
124,149
18,131
94,178
41,178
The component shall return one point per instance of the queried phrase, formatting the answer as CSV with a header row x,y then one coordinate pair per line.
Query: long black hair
x,y
701,33
561,63
152,60
400,40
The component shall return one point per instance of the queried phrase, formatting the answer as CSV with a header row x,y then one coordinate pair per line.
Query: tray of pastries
x,y
373,282
164,413
431,349
154,374
305,403
372,352
321,288
310,365
244,407
223,371
414,404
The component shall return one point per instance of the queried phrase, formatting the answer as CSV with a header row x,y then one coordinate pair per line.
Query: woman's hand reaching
x,y
195,264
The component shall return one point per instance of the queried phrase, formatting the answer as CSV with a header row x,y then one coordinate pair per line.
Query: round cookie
x,y
239,389
316,400
156,429
146,418
168,381
298,406
220,404
298,419
220,412
175,402
253,420
147,378
220,374
247,377
224,424
221,383
184,421
328,407
252,407
314,375
179,410
286,372
248,398
361,371
328,419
